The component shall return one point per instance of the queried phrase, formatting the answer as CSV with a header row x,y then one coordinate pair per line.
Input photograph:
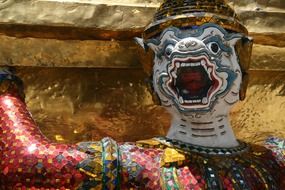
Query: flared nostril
x,y
190,44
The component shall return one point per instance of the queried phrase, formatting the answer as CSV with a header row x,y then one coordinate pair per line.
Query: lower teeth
x,y
193,101
198,101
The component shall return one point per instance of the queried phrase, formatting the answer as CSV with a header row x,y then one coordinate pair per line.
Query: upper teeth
x,y
188,64
202,62
195,64
193,101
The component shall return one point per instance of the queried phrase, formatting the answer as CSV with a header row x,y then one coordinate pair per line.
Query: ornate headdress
x,y
183,13
187,13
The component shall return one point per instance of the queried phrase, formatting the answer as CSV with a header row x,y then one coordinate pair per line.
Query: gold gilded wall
x,y
80,104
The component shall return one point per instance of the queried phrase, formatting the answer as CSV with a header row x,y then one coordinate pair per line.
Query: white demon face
x,y
196,69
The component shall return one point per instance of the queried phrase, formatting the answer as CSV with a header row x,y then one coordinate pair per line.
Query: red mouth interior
x,y
192,83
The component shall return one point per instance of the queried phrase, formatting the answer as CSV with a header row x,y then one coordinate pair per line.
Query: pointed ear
x,y
244,39
235,38
140,42
151,43
247,40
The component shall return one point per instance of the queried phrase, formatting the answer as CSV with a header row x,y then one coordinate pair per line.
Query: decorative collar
x,y
191,148
187,148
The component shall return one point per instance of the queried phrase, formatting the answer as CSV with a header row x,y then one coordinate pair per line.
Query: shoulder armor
x,y
170,156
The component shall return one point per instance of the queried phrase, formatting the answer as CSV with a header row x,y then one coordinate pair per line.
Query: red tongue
x,y
193,81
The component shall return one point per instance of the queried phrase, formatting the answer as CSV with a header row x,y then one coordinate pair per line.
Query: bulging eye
x,y
214,47
168,50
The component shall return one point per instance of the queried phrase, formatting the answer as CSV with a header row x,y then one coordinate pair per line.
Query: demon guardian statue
x,y
201,59
197,77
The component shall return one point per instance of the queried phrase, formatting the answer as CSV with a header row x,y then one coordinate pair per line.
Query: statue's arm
x,y
28,159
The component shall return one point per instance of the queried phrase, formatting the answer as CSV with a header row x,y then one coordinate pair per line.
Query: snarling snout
x,y
193,81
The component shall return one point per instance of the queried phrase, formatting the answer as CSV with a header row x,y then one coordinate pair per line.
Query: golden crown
x,y
183,13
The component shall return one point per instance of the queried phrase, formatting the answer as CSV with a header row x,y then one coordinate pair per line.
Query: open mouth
x,y
194,81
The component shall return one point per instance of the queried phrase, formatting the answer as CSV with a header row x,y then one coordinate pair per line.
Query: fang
x,y
181,100
177,64
204,100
